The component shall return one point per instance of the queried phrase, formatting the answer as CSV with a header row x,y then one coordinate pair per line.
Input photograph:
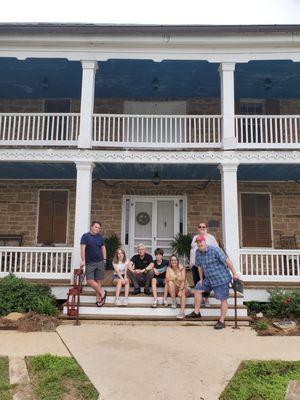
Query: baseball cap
x,y
200,239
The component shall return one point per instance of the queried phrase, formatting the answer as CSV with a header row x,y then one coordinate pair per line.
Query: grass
x,y
5,386
261,380
55,377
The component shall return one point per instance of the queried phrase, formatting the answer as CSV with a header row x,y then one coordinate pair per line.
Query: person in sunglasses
x,y
211,241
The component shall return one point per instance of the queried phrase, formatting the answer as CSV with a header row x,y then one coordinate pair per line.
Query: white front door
x,y
153,221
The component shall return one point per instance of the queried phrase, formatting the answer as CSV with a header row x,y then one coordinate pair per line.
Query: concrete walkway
x,y
19,344
153,362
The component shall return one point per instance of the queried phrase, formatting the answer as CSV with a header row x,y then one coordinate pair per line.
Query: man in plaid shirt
x,y
215,265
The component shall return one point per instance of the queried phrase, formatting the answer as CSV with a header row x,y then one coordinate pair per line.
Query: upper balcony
x,y
146,105
150,131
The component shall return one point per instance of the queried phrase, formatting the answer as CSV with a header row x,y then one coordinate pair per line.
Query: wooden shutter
x,y
52,217
256,222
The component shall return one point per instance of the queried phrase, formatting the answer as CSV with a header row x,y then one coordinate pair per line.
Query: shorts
x,y
160,281
221,292
115,277
95,271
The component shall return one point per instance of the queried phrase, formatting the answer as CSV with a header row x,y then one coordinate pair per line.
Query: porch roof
x,y
61,171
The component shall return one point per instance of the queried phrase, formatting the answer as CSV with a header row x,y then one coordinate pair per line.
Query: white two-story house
x,y
151,130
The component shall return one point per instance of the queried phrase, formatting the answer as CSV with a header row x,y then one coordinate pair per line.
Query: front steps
x,y
139,308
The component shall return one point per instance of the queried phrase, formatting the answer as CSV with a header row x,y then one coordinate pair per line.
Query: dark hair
x,y
159,251
96,222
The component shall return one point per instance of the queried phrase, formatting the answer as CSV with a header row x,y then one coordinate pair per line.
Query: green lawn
x,y
4,380
52,377
261,380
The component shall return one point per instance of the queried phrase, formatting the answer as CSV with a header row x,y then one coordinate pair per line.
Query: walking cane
x,y
81,278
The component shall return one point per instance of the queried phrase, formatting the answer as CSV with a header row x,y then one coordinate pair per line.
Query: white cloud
x,y
154,11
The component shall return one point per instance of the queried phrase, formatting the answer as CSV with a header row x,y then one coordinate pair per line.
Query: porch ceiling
x,y
59,171
133,79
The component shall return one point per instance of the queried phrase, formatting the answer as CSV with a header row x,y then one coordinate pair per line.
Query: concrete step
x,y
147,319
147,310
86,297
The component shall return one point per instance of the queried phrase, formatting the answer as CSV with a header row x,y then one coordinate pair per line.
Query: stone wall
x,y
19,204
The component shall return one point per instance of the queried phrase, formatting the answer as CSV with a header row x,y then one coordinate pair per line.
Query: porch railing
x,y
157,131
36,262
38,129
270,265
271,131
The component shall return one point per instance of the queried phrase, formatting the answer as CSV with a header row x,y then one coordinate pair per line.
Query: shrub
x,y
19,295
261,325
283,303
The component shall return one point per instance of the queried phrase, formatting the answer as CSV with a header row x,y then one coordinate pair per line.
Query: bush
x,y
19,295
261,325
283,303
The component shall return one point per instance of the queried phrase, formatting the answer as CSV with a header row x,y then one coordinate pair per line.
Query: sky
x,y
207,12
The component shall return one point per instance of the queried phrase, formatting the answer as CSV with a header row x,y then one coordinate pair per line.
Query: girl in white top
x,y
211,241
120,264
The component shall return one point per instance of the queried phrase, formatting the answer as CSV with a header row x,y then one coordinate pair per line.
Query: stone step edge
x,y
142,305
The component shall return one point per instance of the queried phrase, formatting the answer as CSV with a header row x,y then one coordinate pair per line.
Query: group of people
x,y
212,270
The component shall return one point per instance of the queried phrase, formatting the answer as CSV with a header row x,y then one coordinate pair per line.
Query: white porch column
x,y
83,205
226,70
230,219
89,69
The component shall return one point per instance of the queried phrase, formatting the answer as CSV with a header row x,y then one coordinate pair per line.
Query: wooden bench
x,y
7,238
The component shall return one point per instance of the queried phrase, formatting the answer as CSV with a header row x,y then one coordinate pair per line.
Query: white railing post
x,y
83,206
89,69
226,70
230,220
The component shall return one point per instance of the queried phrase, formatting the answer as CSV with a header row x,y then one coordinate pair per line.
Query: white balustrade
x,y
38,129
270,265
267,131
36,262
157,131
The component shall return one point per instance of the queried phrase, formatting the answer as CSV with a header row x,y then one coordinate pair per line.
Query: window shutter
x,y
45,217
53,209
60,207
256,223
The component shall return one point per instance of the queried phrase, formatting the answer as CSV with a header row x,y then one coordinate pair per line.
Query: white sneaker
x,y
118,302
125,301
181,315
174,304
155,303
165,303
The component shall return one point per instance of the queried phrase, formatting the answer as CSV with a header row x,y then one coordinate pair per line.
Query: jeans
x,y
196,278
142,279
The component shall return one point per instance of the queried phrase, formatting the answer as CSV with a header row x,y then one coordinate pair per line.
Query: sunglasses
x,y
202,226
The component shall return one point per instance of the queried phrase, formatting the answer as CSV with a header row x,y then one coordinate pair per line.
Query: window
x,y
256,220
53,214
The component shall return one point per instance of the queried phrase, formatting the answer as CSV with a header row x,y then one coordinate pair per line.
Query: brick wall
x,y
19,204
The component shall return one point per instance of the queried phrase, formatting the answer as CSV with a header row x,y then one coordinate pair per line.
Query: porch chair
x,y
288,242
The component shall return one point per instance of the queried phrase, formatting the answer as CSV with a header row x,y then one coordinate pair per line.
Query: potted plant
x,y
181,246
112,243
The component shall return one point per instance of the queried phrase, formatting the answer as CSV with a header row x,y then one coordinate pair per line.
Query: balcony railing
x,y
39,129
268,131
270,265
157,131
150,131
36,262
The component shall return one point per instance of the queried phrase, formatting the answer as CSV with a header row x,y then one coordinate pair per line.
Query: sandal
x,y
99,303
104,297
